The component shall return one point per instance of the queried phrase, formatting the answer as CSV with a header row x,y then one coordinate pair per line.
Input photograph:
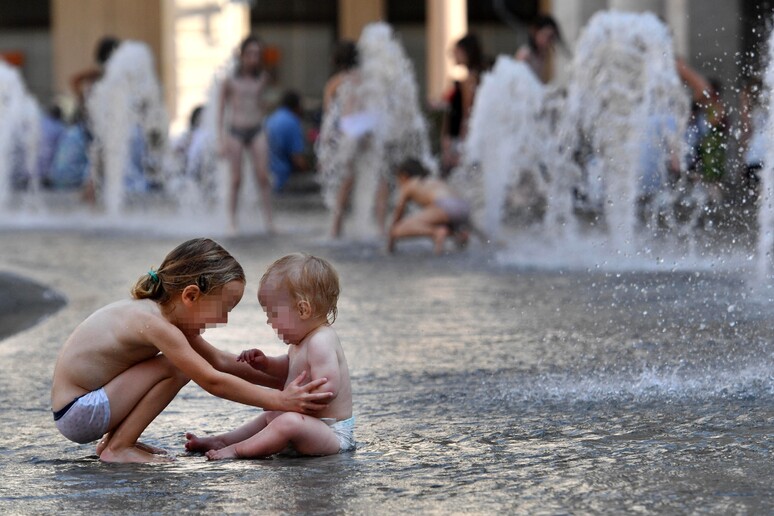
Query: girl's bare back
x,y
426,191
107,343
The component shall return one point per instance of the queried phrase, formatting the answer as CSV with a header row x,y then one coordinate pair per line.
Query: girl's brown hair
x,y
308,278
249,40
200,261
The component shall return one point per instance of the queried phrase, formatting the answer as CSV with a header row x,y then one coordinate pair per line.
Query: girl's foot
x,y
439,237
150,449
462,237
103,443
131,455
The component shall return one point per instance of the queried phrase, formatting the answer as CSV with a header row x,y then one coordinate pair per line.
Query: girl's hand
x,y
298,398
255,357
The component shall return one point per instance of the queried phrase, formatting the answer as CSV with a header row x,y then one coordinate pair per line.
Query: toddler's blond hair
x,y
308,278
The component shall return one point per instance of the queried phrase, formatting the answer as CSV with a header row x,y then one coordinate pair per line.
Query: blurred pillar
x,y
447,21
572,16
654,6
677,18
198,38
356,14
77,26
189,39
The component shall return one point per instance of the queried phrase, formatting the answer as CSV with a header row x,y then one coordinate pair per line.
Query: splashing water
x,y
124,106
766,201
384,90
624,81
599,149
510,101
126,113
19,135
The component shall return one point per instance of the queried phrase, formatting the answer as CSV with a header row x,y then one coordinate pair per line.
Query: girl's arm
x,y
174,345
699,86
229,363
330,91
468,95
222,100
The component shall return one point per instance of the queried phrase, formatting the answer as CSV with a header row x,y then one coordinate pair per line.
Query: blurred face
x,y
251,57
545,38
459,56
282,312
212,309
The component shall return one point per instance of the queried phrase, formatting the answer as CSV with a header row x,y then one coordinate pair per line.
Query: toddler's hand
x,y
254,357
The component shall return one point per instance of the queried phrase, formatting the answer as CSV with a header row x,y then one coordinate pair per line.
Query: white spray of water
x,y
623,80
511,141
383,88
766,201
525,139
19,134
126,100
200,188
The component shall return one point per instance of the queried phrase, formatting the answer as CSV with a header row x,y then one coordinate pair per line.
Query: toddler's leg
x,y
308,435
241,433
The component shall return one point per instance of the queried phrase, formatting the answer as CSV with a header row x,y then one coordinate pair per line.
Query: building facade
x,y
50,40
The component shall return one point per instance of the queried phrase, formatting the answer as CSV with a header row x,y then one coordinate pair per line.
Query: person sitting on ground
x,y
443,212
126,362
299,293
286,140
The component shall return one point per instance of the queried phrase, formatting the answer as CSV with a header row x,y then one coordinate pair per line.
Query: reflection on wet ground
x,y
24,303
477,388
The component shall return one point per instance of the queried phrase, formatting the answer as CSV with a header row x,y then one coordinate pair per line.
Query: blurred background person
x,y
287,145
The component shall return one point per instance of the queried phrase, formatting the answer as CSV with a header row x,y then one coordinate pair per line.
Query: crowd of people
x,y
280,142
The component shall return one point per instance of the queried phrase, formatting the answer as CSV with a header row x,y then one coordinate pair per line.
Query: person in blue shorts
x,y
286,140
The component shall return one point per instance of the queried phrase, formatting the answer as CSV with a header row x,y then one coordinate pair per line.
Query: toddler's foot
x,y
203,444
224,453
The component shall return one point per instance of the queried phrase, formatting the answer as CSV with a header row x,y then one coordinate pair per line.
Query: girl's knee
x,y
171,371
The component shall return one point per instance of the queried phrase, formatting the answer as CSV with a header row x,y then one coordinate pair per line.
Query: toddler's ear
x,y
304,309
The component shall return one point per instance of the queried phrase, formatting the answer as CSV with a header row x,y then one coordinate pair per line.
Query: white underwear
x,y
345,431
85,419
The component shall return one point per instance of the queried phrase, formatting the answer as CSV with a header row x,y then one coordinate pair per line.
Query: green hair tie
x,y
153,275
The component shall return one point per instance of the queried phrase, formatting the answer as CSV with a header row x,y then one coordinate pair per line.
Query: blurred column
x,y
447,21
677,18
572,16
189,39
356,14
77,26
198,37
654,6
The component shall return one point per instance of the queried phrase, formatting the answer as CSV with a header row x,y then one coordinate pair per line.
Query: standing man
x,y
286,140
